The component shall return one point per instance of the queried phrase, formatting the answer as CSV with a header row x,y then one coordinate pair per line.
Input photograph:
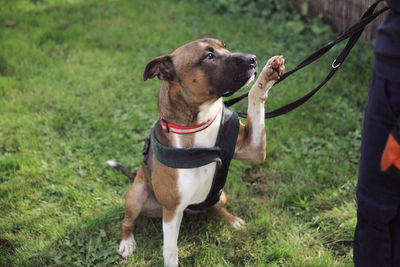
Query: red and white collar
x,y
173,128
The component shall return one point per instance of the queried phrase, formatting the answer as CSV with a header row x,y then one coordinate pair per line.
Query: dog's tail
x,y
123,169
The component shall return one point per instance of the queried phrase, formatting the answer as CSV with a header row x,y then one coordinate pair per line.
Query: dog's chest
x,y
194,184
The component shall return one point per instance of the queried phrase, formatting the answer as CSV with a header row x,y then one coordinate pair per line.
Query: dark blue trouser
x,y
377,235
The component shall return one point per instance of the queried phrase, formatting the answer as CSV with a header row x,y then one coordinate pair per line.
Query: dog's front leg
x,y
252,140
171,223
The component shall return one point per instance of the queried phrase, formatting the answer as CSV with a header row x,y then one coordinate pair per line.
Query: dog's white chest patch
x,y
195,184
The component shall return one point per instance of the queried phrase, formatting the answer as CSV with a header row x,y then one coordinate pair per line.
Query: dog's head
x,y
204,69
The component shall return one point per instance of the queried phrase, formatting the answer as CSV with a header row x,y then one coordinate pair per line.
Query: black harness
x,y
187,158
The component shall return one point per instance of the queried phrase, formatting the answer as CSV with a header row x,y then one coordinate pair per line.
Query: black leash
x,y
353,33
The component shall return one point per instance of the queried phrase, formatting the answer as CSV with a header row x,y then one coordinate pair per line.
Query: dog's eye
x,y
210,56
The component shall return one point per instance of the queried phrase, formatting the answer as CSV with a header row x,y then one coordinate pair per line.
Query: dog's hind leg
x,y
233,220
134,200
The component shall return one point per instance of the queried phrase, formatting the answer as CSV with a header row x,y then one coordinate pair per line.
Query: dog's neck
x,y
176,106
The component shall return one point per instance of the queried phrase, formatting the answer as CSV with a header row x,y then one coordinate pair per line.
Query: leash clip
x,y
335,66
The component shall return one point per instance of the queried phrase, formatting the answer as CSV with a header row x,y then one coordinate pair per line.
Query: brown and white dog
x,y
195,78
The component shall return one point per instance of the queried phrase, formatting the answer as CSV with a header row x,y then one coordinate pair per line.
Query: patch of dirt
x,y
340,248
6,246
257,181
9,24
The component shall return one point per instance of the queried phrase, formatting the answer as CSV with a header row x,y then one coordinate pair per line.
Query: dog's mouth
x,y
251,79
244,76
241,78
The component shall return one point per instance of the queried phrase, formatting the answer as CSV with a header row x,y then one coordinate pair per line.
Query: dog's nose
x,y
253,61
245,60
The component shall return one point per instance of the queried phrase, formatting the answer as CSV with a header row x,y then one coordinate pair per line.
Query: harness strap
x,y
187,158
184,158
353,32
227,137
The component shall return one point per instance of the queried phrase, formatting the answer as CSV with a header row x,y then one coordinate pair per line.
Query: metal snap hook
x,y
335,66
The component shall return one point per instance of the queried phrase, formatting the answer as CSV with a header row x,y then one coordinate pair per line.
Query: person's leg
x,y
377,194
395,237
373,237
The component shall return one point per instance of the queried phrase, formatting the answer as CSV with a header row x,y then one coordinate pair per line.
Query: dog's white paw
x,y
238,223
127,247
274,68
270,74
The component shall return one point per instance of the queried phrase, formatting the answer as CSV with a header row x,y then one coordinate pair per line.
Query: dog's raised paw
x,y
275,67
127,247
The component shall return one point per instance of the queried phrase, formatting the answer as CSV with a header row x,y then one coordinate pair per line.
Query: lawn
x,y
72,96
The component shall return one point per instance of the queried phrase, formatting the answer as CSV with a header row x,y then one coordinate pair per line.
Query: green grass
x,y
72,97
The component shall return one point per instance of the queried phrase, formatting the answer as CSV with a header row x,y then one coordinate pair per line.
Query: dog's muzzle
x,y
247,63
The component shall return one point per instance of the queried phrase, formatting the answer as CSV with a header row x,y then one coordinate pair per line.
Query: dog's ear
x,y
161,67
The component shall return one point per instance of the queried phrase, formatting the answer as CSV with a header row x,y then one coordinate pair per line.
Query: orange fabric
x,y
391,154
397,163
